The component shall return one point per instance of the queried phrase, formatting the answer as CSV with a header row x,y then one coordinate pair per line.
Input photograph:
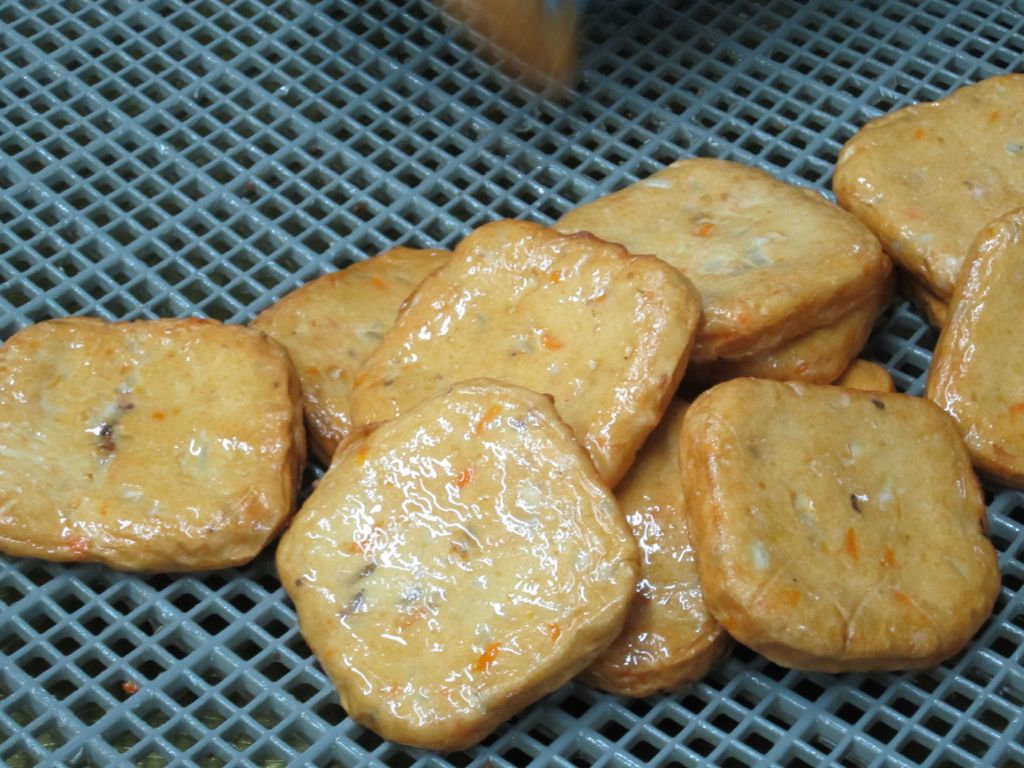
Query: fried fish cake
x,y
605,333
331,325
977,371
927,178
669,638
820,356
771,261
836,529
458,563
936,310
163,445
863,374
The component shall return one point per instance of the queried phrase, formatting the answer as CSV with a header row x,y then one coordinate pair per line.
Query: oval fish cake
x,y
936,310
605,333
977,371
163,445
836,529
771,261
863,374
820,356
458,563
330,325
670,638
928,177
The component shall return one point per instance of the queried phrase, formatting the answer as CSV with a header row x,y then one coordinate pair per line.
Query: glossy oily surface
x,y
606,334
977,372
863,374
330,325
669,638
836,529
458,563
928,177
819,356
771,261
160,445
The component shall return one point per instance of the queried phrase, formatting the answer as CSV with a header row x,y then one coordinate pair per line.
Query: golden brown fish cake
x,y
771,261
163,445
820,356
836,529
863,374
669,638
605,333
330,325
977,371
935,310
457,564
927,178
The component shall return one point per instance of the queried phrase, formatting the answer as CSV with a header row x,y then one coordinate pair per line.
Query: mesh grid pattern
x,y
166,158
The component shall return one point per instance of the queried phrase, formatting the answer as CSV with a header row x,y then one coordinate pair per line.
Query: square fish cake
x,y
836,529
771,261
606,334
163,445
977,371
670,639
927,178
457,563
330,325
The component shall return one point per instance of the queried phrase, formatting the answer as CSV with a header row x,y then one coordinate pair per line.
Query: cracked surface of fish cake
x,y
457,563
928,177
670,638
330,325
155,445
771,261
820,356
606,334
836,529
863,374
977,371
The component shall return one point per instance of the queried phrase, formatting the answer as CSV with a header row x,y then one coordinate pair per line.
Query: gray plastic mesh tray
x,y
175,157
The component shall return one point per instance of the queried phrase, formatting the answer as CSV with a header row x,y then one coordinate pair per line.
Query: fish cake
x,y
863,374
771,261
936,310
606,334
836,529
670,638
977,371
330,325
819,356
928,177
162,445
457,563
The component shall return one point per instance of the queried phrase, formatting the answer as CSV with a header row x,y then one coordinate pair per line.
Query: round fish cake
x,y
820,356
977,371
330,325
669,638
163,445
771,261
936,310
458,563
836,529
863,374
927,178
605,333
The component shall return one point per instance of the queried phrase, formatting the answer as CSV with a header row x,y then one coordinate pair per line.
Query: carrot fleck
x,y
159,415
852,544
487,658
888,557
363,454
919,134
130,687
554,631
556,276
486,419
412,617
465,477
902,597
704,229
993,118
790,597
1017,409
379,283
550,342
313,371
78,544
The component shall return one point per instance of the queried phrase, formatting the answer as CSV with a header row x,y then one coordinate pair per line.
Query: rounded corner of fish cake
x,y
458,563
836,529
606,333
154,445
